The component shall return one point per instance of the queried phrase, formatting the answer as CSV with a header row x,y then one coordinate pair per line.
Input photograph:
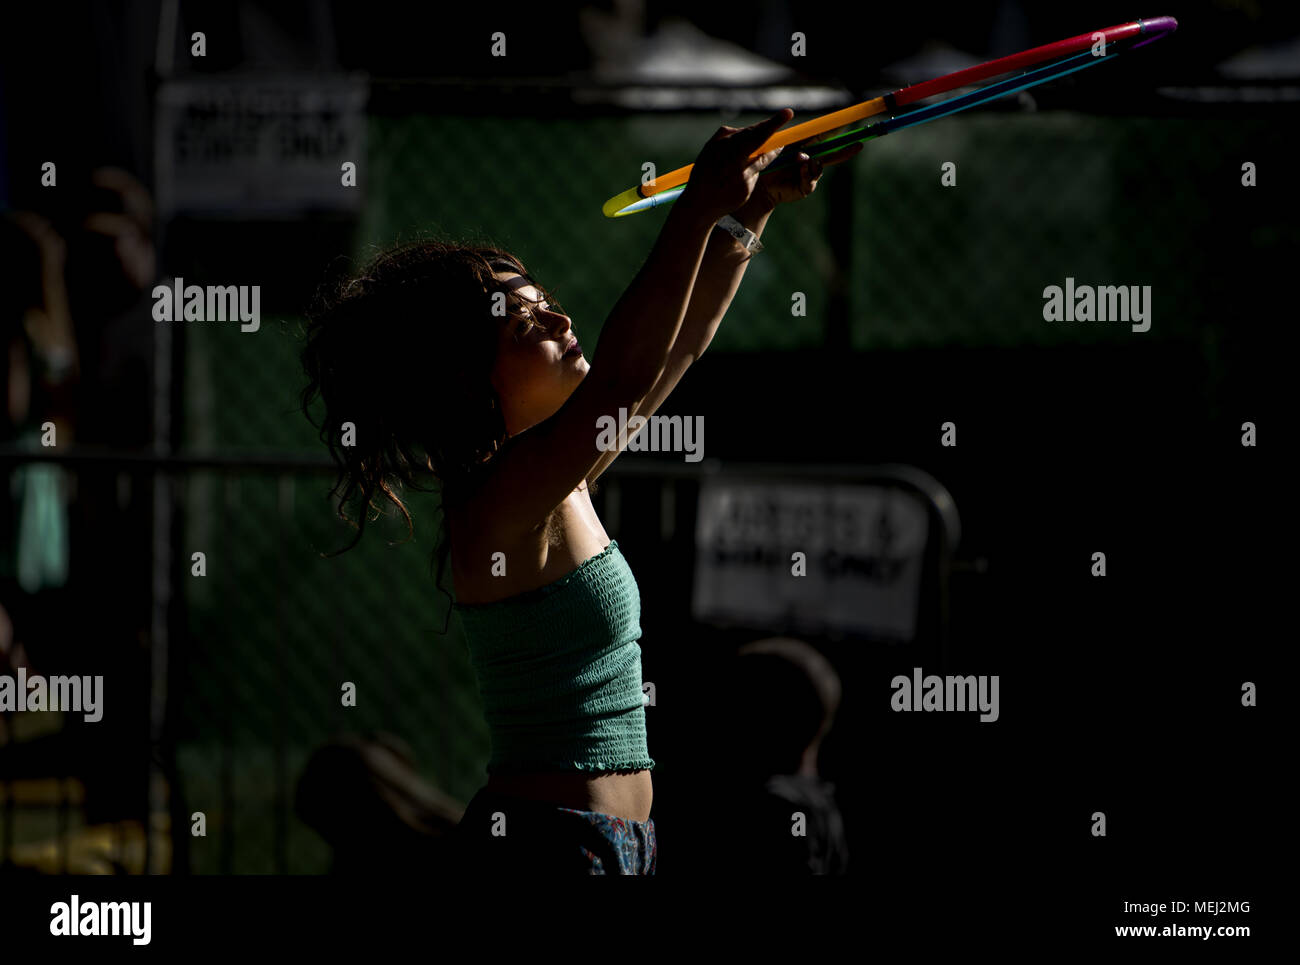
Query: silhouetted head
x,y
785,695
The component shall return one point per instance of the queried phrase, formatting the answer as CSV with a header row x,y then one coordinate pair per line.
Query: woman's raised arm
x,y
539,467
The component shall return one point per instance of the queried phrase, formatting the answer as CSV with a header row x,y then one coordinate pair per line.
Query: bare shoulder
x,y
488,565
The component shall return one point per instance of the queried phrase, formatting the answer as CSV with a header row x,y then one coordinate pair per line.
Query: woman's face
x,y
532,374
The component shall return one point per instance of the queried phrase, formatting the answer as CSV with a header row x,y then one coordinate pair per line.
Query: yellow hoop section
x,y
800,132
617,203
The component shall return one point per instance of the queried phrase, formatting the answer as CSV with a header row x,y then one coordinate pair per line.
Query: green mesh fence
x,y
1038,198
274,630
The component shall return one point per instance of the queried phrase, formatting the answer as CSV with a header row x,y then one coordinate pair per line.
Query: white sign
x,y
864,548
265,146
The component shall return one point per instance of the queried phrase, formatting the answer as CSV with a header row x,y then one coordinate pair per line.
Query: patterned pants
x,y
502,834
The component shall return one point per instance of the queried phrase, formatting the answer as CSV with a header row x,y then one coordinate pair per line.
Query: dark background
x,y
1119,694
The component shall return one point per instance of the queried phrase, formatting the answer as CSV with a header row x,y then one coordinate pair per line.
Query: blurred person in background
x,y
77,336
784,698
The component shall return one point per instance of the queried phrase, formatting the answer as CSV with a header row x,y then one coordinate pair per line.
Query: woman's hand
x,y
724,175
799,180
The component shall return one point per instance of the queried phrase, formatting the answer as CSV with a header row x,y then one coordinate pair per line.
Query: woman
x,y
452,360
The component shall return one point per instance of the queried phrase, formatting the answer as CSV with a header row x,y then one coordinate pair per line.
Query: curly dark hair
x,y
403,352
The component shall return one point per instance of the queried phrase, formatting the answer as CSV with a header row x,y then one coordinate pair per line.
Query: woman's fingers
x,y
751,138
763,129
763,160
842,155
812,170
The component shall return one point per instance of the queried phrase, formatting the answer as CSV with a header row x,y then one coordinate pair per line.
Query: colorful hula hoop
x,y
1065,57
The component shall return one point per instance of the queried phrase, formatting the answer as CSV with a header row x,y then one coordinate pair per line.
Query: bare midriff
x,y
627,796
575,534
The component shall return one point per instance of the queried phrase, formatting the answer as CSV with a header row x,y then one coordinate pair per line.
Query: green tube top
x,y
559,671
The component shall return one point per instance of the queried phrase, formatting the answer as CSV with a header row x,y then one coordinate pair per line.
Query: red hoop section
x,y
1005,65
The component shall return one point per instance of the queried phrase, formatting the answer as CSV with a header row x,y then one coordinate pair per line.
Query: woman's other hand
x,y
724,175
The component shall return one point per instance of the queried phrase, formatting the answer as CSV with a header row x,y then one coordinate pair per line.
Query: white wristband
x,y
748,240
